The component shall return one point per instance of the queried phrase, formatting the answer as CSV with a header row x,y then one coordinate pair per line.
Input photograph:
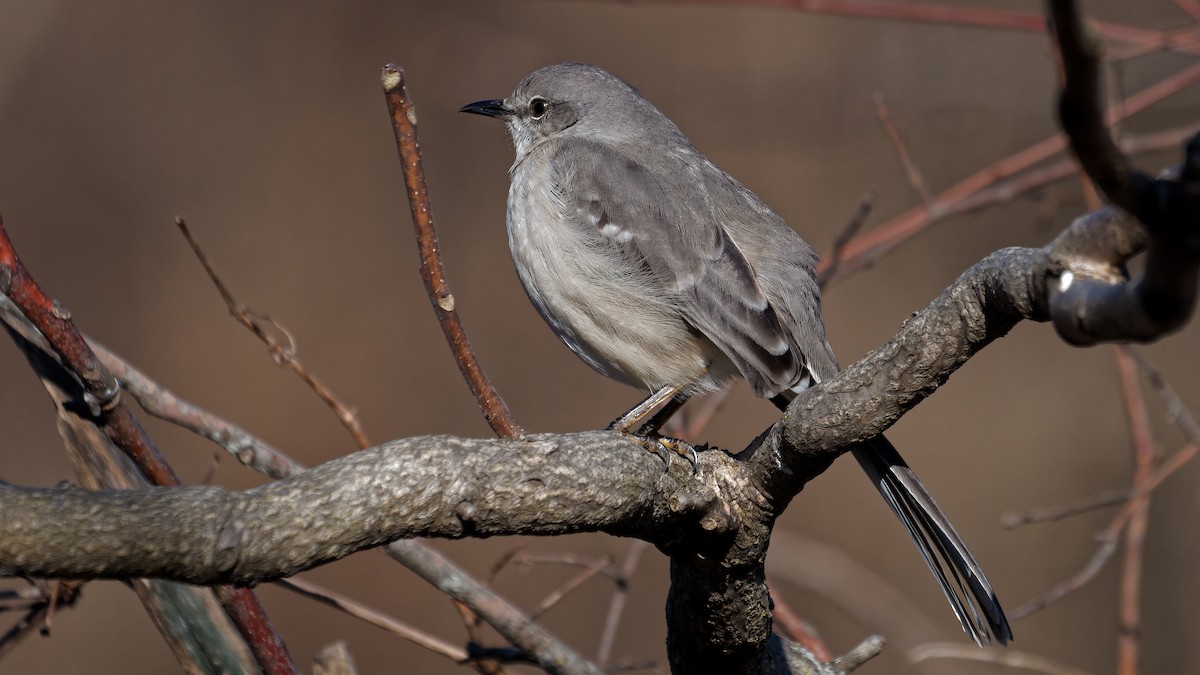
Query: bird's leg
x,y
625,423
648,435
664,415
660,418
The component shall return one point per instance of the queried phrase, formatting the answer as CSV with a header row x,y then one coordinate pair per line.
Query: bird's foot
x,y
664,447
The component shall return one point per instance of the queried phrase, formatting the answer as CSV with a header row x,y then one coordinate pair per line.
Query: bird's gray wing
x,y
663,216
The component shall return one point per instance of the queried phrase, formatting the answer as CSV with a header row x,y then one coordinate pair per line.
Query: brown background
x,y
264,124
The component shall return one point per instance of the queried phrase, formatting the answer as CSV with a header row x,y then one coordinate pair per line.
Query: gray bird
x,y
661,271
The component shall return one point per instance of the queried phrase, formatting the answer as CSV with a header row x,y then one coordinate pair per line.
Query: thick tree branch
x,y
715,523
428,487
1095,303
427,563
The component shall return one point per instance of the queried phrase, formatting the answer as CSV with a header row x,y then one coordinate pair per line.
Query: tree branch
x,y
715,523
427,487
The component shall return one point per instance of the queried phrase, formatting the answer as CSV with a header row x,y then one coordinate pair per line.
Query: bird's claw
x,y
659,444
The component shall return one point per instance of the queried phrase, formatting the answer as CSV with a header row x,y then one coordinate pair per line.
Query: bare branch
x,y
915,179
39,611
1094,302
374,617
616,607
1004,657
541,485
870,245
1045,514
862,652
847,235
1146,457
1175,408
284,354
1145,39
404,125
797,628
162,403
109,416
1108,538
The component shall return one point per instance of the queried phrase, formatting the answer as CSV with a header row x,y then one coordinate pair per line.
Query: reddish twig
x,y
1146,459
870,245
1189,7
1050,173
951,15
797,628
283,353
102,391
404,125
114,417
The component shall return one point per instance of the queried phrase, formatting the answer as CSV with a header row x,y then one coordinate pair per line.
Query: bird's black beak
x,y
491,108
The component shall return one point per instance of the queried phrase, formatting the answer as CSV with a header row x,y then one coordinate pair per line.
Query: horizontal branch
x,y
418,487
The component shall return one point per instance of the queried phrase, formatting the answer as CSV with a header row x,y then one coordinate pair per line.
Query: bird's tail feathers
x,y
970,594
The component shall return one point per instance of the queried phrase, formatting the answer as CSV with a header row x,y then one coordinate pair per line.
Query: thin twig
x,y
631,665
164,404
404,125
915,179
864,651
62,593
1003,657
868,246
556,596
834,261
952,15
505,560
429,564
1178,412
283,353
473,624
1048,514
111,415
796,627
603,563
1108,537
374,617
616,607
1038,178
1146,459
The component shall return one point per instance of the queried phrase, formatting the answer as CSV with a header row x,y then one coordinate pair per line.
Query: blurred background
x,y
264,124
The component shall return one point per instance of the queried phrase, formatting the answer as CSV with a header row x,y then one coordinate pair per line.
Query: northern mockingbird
x,y
660,270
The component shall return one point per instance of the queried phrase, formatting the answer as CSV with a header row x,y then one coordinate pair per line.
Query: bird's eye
x,y
538,107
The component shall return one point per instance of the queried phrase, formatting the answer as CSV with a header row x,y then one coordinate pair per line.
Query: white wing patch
x,y
614,231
